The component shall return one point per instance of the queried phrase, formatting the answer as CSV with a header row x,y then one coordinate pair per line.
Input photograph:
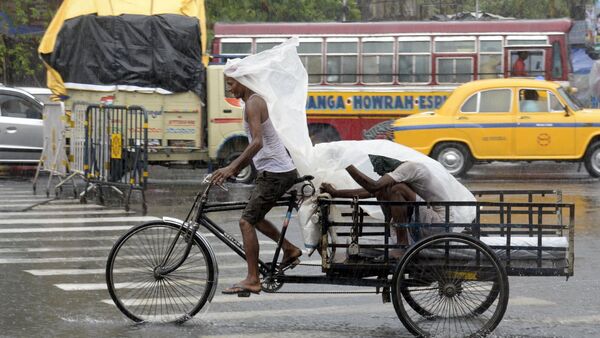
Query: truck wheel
x,y
246,175
592,159
455,157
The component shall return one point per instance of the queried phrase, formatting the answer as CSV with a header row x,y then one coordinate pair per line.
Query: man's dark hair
x,y
383,164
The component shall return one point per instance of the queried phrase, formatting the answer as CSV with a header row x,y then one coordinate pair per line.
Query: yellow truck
x,y
150,54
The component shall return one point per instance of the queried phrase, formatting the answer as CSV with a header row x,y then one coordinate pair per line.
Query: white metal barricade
x,y
54,156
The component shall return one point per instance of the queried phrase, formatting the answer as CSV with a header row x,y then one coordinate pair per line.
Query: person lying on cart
x,y
403,181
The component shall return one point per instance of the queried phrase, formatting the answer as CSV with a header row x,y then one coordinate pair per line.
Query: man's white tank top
x,y
272,157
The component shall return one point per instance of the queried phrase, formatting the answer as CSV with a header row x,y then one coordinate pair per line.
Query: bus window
x,y
377,59
342,60
533,61
264,44
311,54
557,69
490,57
522,41
454,70
414,60
236,47
455,45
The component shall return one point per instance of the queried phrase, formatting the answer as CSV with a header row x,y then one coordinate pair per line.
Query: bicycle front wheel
x,y
145,296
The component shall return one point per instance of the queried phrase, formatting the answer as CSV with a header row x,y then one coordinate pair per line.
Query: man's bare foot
x,y
243,287
291,256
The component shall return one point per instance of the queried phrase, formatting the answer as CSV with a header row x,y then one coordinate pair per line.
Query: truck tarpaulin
x,y
150,44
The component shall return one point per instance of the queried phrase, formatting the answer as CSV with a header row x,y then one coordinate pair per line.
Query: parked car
x,y
21,128
44,95
505,119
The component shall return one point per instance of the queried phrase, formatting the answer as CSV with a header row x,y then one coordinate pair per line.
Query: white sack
x,y
279,77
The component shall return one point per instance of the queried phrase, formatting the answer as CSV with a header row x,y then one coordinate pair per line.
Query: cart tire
x,y
463,296
412,302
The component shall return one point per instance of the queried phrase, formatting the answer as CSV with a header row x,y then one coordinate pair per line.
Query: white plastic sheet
x,y
279,77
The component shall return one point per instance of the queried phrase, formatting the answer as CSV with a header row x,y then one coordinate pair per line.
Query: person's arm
x,y
346,193
255,109
366,182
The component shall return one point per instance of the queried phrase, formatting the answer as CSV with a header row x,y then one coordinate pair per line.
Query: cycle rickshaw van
x,y
452,283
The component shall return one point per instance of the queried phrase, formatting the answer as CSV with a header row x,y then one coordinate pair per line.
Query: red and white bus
x,y
362,75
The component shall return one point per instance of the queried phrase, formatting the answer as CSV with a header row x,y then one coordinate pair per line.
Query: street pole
x,y
476,9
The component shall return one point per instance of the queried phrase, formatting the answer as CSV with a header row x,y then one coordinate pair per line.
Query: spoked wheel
x,y
145,295
450,285
411,287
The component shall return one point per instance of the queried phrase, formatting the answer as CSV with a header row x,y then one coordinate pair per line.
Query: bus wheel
x,y
323,134
246,175
592,159
455,157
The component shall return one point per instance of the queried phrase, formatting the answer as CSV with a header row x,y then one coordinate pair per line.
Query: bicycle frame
x,y
198,212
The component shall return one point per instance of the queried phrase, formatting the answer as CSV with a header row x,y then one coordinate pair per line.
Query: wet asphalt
x,y
41,298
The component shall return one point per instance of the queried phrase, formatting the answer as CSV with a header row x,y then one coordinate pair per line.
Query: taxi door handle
x,y
11,130
524,117
462,118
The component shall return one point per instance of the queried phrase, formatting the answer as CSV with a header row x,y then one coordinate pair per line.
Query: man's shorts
x,y
268,189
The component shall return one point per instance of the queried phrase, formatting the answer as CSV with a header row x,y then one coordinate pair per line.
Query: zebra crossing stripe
x,y
20,260
13,203
81,272
65,213
28,200
124,285
44,221
83,248
263,297
68,206
66,229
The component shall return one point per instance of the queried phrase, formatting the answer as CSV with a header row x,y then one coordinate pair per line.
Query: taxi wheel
x,y
455,157
592,159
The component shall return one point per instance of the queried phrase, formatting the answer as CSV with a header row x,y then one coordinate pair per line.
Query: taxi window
x,y
555,105
533,101
489,101
495,101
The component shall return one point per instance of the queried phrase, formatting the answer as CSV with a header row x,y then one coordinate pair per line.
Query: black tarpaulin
x,y
157,51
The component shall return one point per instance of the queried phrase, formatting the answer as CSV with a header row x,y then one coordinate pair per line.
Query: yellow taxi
x,y
505,119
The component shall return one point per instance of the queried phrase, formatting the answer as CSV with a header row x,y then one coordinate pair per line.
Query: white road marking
x,y
51,202
80,272
68,206
44,221
65,213
264,296
524,301
20,260
66,229
15,201
81,248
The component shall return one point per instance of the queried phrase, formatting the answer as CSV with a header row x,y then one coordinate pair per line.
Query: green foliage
x,y
520,9
280,10
19,64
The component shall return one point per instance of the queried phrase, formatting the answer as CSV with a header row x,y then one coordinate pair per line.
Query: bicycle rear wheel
x,y
144,296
